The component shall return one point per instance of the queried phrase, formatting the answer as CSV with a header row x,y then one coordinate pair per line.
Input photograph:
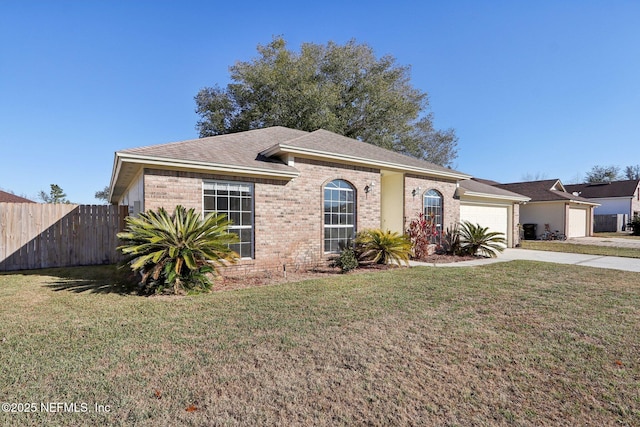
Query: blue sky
x,y
548,88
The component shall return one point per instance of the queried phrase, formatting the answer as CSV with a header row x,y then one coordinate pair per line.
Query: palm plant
x,y
383,247
451,240
176,252
475,239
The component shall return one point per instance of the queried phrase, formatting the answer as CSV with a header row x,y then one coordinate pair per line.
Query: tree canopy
x,y
603,174
632,172
612,173
56,195
103,194
340,88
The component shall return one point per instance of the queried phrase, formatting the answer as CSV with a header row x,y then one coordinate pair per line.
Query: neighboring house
x,y
12,198
293,196
552,204
617,197
492,207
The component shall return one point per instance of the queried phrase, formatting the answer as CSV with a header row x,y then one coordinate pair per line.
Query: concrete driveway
x,y
610,262
617,242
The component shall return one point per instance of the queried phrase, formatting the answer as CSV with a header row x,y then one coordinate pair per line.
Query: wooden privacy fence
x,y
613,222
58,235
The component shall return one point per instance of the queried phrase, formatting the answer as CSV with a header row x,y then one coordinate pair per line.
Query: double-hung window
x,y
339,214
235,199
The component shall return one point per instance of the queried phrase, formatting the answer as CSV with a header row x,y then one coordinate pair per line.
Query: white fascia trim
x,y
495,196
282,148
218,167
115,171
580,202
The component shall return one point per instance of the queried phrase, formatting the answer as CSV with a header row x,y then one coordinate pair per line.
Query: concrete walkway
x,y
611,262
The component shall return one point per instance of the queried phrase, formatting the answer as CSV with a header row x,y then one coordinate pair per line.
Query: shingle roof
x,y
541,191
478,186
236,149
323,141
12,198
256,148
603,190
486,181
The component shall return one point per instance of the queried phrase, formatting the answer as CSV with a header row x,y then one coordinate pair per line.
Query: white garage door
x,y
577,222
494,217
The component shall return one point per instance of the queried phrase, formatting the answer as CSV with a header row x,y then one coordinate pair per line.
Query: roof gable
x,y
240,149
478,188
326,144
543,191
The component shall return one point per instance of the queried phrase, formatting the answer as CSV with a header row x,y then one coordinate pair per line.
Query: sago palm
x,y
177,251
475,239
383,247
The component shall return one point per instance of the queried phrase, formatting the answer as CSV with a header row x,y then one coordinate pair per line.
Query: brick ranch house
x,y
292,195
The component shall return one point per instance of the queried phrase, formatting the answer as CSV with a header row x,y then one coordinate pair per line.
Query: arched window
x,y
432,206
339,214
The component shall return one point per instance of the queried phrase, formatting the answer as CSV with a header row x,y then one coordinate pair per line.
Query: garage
x,y
491,207
495,217
578,222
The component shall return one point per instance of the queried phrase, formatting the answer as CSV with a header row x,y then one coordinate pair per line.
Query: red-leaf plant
x,y
421,231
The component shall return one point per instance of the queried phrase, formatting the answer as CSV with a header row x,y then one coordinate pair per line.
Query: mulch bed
x,y
444,259
266,278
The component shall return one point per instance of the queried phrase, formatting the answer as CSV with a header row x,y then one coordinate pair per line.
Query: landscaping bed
x,y
225,283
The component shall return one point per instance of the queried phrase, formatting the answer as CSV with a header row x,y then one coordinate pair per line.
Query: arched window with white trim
x,y
339,214
433,211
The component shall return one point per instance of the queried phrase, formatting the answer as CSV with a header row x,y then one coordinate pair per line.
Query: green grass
x,y
622,235
517,343
559,246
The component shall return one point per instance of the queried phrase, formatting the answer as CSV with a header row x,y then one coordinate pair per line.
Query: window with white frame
x,y
339,214
433,211
235,199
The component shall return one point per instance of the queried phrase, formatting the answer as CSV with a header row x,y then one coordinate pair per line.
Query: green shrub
x,y
175,253
475,239
451,241
383,247
635,225
347,259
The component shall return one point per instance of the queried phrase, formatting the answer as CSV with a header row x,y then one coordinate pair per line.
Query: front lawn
x,y
579,248
621,235
519,343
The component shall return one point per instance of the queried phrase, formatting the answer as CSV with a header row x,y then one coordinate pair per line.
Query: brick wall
x,y
516,225
635,203
288,218
413,205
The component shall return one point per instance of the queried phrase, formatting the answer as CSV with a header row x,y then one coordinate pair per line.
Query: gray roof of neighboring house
x,y
625,188
540,191
479,187
12,198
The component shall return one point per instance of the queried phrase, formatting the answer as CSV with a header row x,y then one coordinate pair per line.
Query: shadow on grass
x,y
99,279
